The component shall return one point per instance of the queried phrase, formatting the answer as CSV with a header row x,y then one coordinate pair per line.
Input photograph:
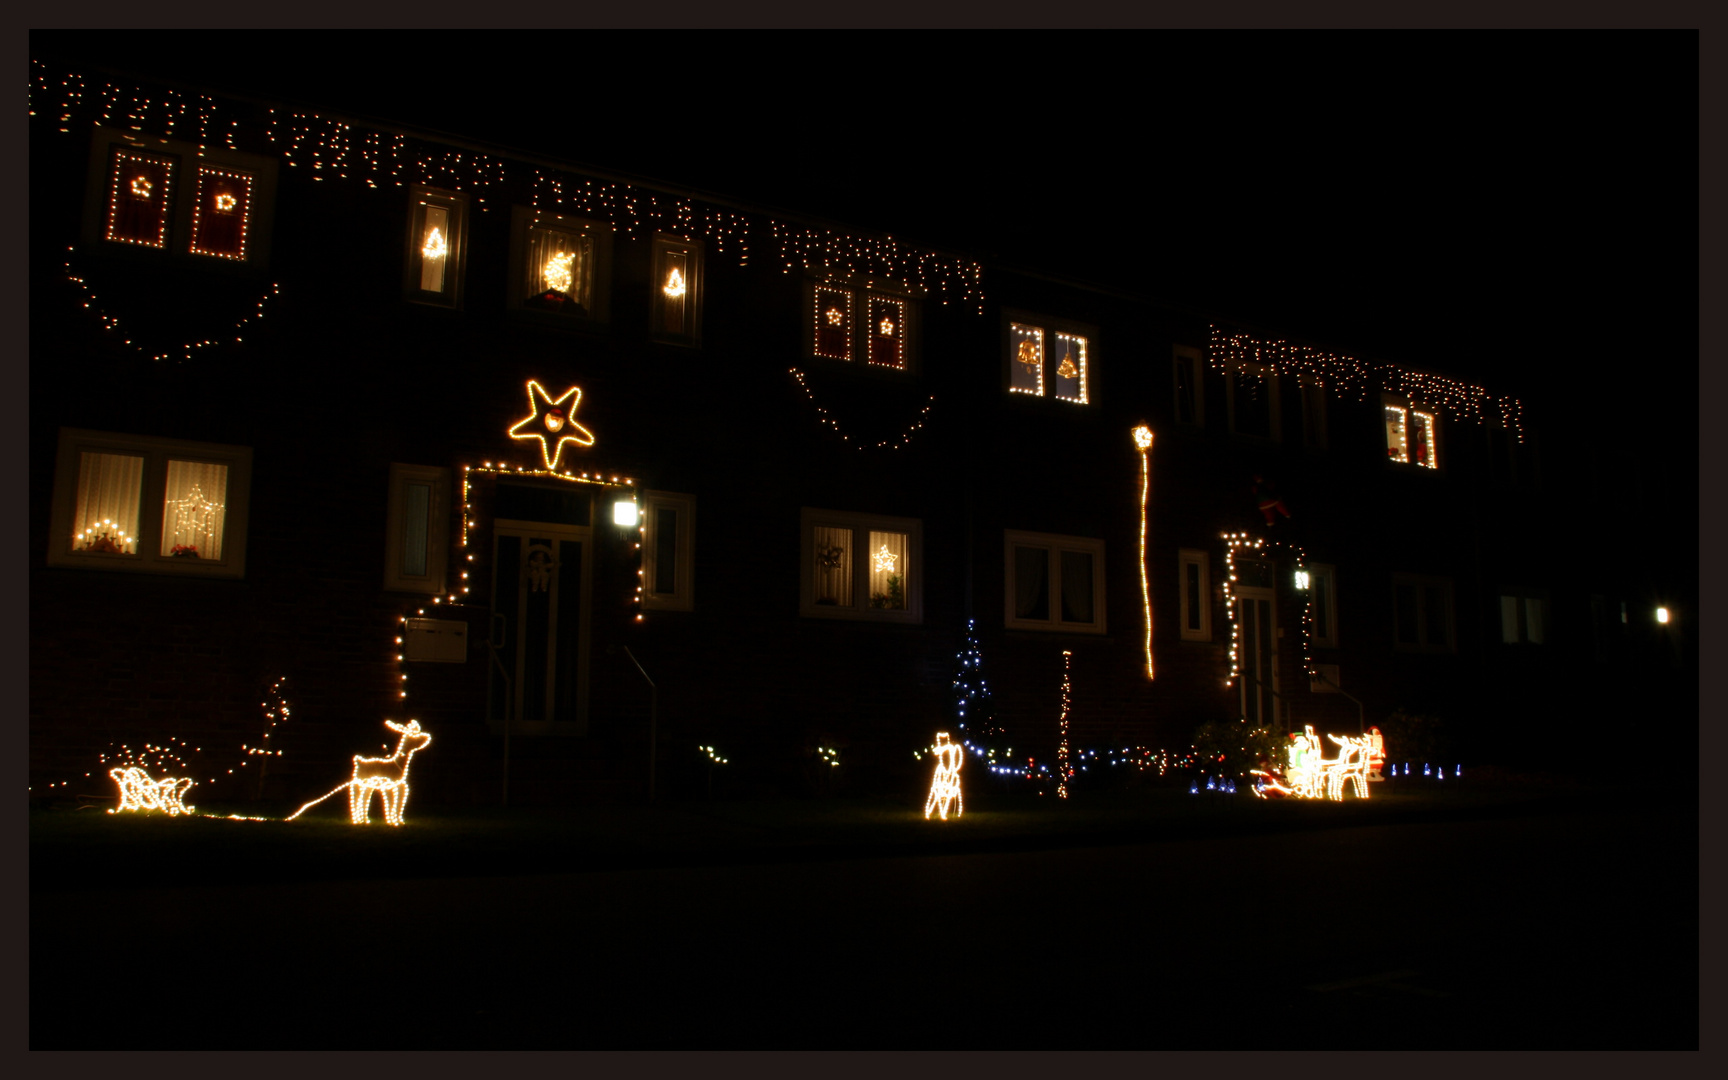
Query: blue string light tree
x,y
973,714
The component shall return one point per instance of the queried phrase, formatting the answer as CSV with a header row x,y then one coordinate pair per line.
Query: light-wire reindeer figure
x,y
1350,764
386,776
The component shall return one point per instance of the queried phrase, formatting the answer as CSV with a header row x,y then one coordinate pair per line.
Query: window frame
x,y
435,581
1185,558
1049,329
1390,401
1054,544
156,452
1180,356
1421,583
860,292
1323,577
181,215
1274,391
810,518
1525,598
523,220
455,203
682,597
695,253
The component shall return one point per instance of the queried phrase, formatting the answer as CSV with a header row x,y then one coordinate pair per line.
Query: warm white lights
x,y
225,202
624,512
885,327
884,561
1064,770
552,415
1662,615
141,186
557,271
1143,440
674,283
386,776
435,246
139,792
834,315
945,785
1302,579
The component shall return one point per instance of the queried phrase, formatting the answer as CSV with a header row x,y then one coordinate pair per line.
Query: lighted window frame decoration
x,y
668,538
221,212
151,505
675,291
140,198
1194,592
1025,359
1411,437
1188,386
417,531
437,247
1240,543
849,321
1045,603
849,563
560,266
1046,357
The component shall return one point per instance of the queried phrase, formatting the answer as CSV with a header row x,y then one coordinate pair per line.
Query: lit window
x,y
859,566
675,299
437,243
1048,359
146,504
849,322
560,265
1194,590
1421,613
417,529
174,197
1054,582
221,212
1251,393
1411,436
668,529
1190,386
139,188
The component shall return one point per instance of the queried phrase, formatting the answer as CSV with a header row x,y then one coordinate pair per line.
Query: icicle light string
x,y
1463,401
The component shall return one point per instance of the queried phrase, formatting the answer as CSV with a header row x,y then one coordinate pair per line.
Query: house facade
x,y
587,475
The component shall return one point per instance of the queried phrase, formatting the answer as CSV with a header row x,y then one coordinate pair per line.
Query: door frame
x,y
556,531
1268,639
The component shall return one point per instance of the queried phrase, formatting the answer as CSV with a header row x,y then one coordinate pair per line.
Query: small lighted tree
x,y
973,710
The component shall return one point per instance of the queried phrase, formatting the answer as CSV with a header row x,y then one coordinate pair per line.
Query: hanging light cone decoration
x,y
945,785
388,777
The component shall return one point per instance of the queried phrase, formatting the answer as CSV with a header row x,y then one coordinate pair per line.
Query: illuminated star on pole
x,y
553,422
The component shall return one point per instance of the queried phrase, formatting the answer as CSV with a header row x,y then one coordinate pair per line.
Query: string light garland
x,y
185,351
1235,542
1143,440
388,777
1231,351
945,784
895,443
1064,770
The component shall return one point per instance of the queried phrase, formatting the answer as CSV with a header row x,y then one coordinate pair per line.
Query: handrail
x,y
653,717
1361,710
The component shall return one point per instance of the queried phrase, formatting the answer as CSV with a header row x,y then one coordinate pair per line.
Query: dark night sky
x,y
1515,209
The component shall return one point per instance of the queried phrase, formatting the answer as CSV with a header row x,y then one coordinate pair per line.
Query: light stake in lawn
x,y
387,776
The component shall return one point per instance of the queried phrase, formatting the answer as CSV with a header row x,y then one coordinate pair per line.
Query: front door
x,y
1258,655
540,581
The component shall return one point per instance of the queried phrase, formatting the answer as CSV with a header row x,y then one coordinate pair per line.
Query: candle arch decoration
x,y
1239,543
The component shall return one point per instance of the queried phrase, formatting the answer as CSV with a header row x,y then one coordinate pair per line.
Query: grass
x,y
89,848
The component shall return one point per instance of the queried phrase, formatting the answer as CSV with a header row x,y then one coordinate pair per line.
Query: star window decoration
x,y
886,327
834,316
195,515
883,561
547,418
141,186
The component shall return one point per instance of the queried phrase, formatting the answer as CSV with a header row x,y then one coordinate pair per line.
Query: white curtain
x,y
832,563
888,570
558,262
109,489
194,510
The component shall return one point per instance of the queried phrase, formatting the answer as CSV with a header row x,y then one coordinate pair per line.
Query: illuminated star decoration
x,y
887,327
141,186
884,560
833,316
547,418
195,515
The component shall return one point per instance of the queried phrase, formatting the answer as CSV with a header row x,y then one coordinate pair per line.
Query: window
x,y
560,266
1251,393
848,321
1048,359
1411,438
668,528
1323,609
210,205
1054,582
1522,620
132,502
1194,587
676,291
1190,386
417,529
437,246
1313,411
1421,613
858,566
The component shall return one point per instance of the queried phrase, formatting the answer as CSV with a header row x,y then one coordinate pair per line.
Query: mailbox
x,y
441,640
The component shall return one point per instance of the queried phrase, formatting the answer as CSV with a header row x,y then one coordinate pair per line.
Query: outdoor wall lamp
x,y
624,512
1662,615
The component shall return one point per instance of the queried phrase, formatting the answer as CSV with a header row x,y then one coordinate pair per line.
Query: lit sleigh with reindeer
x,y
1310,774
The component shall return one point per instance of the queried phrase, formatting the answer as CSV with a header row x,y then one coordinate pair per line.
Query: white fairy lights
x,y
1064,769
388,777
186,350
945,784
139,792
1240,543
1143,440
895,443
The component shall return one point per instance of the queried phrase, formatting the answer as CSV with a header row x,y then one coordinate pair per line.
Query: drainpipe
x,y
653,718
